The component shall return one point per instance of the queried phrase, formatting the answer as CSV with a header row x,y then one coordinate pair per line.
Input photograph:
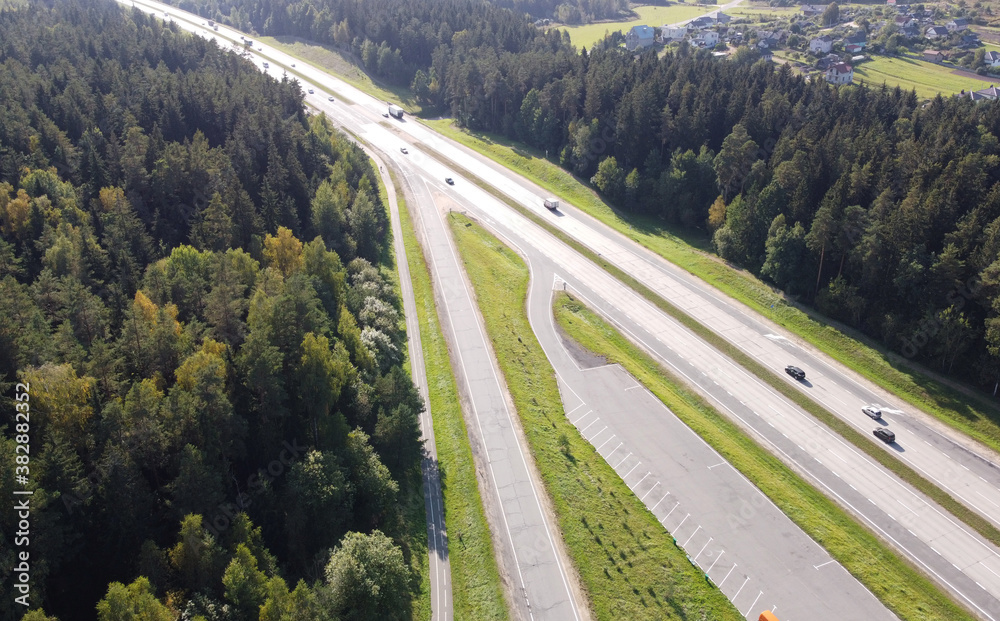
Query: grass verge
x,y
966,413
476,589
629,566
335,61
891,579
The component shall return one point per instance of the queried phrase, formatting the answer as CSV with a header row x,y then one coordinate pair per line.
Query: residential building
x,y
958,24
841,73
811,10
720,18
639,37
707,39
910,32
853,48
992,59
668,34
987,94
860,39
827,61
936,32
903,21
821,45
933,56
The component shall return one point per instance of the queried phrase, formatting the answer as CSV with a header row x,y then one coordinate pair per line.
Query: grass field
x,y
909,72
476,587
335,61
655,16
892,580
769,12
628,564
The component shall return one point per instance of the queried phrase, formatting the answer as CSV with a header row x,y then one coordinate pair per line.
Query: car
x,y
872,412
330,98
403,150
310,91
293,64
795,372
385,114
449,181
885,435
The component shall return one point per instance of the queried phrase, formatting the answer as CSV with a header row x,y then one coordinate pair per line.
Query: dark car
x,y
872,412
795,372
403,150
885,435
449,181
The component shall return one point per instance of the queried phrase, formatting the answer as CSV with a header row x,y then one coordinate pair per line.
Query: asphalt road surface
x,y
957,558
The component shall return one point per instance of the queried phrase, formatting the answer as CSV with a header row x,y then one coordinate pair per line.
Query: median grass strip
x,y
476,589
971,414
629,566
970,517
891,579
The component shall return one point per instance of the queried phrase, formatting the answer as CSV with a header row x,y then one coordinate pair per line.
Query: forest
x,y
195,295
881,210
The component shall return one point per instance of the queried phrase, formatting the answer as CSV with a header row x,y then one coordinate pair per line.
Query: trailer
x,y
551,203
395,111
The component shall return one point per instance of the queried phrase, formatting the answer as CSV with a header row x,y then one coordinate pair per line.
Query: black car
x,y
795,372
885,435
449,181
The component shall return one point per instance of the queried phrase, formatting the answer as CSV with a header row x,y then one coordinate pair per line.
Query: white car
x,y
872,412
310,91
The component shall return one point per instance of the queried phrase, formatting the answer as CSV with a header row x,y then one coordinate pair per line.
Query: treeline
x,y
567,11
191,287
879,209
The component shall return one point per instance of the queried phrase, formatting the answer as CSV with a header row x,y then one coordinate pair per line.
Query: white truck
x,y
551,203
395,111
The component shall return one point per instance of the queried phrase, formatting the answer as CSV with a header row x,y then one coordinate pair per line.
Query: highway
x,y
957,558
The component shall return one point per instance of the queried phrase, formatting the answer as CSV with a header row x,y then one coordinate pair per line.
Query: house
x,y
707,39
910,32
958,24
992,59
860,39
827,61
853,48
902,21
936,32
969,41
766,55
811,10
639,37
891,2
773,38
821,45
668,34
933,56
720,18
987,94
700,22
841,73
